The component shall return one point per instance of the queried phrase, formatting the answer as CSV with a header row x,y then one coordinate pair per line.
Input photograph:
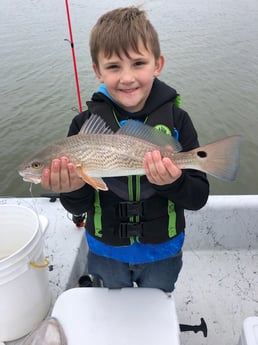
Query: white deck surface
x,y
219,279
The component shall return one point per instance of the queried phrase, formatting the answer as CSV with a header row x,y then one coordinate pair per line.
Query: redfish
x,y
98,152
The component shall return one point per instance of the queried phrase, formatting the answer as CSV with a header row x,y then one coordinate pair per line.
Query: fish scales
x,y
107,155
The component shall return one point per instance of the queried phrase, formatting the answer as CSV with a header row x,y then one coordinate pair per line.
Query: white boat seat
x,y
101,316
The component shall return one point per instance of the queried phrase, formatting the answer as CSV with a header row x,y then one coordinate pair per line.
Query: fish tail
x,y
221,158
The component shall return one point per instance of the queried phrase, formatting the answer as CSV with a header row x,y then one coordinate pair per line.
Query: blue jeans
x,y
115,274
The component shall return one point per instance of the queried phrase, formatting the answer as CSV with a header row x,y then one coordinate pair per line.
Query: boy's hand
x,y
160,171
61,177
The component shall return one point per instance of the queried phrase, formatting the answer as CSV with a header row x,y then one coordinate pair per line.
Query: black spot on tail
x,y
202,154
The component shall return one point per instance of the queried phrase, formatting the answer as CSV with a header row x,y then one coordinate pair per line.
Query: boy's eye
x,y
112,66
140,63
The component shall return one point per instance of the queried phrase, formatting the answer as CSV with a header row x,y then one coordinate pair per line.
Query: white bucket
x,y
24,287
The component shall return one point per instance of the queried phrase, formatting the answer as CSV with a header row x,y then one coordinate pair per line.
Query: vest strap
x,y
130,208
127,230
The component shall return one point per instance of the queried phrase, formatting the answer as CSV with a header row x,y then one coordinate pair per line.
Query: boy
x,y
135,230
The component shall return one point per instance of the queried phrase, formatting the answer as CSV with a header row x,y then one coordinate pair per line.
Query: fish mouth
x,y
30,178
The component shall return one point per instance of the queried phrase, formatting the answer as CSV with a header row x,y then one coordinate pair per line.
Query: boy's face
x,y
129,80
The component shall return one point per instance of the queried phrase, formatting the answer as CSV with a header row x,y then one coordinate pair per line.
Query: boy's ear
x,y
159,65
97,72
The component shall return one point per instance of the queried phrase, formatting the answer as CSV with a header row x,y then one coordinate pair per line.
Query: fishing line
x,y
30,190
33,205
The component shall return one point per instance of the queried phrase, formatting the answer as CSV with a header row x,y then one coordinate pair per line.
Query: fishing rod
x,y
73,55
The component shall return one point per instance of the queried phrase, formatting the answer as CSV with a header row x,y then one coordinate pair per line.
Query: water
x,y
211,50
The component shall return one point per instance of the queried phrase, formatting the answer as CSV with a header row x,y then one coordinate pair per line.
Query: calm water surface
x,y
211,50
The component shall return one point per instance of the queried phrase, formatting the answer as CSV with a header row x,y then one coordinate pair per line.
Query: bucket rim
x,y
28,243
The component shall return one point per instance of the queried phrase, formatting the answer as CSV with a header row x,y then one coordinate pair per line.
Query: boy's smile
x,y
129,79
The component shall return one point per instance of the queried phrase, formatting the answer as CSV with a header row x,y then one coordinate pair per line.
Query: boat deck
x,y
220,287
219,279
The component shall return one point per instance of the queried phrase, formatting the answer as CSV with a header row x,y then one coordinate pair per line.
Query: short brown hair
x,y
120,29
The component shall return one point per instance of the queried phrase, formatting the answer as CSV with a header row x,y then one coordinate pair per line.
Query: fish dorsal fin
x,y
139,130
95,124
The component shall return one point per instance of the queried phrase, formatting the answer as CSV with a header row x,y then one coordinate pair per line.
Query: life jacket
x,y
131,209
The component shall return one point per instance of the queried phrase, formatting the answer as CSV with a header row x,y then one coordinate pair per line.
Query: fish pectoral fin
x,y
96,183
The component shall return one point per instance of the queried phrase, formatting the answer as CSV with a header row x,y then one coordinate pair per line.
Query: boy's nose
x,y
126,77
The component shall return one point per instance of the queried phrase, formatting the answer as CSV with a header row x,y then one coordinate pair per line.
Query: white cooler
x,y
126,316
249,334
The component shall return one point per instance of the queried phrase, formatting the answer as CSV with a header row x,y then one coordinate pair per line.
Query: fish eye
x,y
202,154
36,165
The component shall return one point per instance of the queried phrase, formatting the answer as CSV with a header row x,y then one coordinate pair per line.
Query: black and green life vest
x,y
132,210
